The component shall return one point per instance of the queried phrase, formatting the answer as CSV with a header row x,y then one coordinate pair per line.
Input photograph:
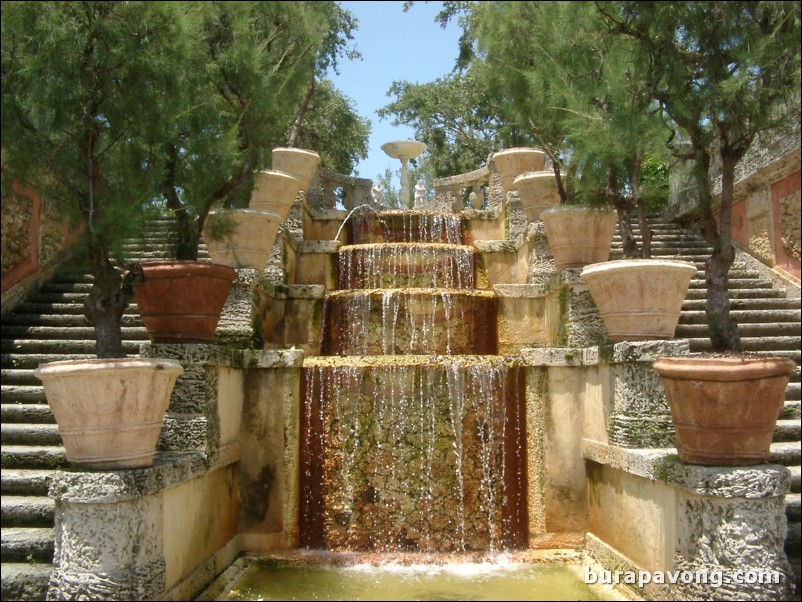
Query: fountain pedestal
x,y
404,150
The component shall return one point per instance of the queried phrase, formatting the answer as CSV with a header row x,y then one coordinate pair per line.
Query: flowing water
x,y
412,432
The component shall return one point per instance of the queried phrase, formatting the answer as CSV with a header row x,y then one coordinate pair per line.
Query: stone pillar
x,y
731,529
108,540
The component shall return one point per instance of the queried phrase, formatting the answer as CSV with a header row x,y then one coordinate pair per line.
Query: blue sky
x,y
395,46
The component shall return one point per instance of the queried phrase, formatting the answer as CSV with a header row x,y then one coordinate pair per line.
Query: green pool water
x,y
469,581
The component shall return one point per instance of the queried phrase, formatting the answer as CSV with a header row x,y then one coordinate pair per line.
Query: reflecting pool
x,y
280,579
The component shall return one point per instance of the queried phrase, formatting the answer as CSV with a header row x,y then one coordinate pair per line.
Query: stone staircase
x,y
769,322
49,326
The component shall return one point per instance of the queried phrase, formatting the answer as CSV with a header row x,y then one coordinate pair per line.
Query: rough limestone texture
x,y
582,325
236,323
191,422
730,524
735,536
640,415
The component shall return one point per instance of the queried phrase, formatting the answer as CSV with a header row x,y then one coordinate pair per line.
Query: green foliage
x,y
454,116
86,134
335,130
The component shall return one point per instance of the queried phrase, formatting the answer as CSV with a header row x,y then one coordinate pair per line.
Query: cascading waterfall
x,y
413,427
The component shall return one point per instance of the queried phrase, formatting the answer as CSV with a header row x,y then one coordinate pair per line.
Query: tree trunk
x,y
628,241
107,300
645,232
621,206
186,248
292,142
724,333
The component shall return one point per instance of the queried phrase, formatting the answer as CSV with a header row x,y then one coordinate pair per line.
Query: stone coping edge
x,y
228,357
112,487
636,351
751,482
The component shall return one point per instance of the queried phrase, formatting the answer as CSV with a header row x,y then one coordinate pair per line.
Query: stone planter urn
x,y
275,191
181,301
109,411
538,192
512,162
241,238
724,409
297,162
579,235
639,299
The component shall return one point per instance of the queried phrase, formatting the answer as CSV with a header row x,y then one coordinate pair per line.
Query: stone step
x,y
27,511
790,410
33,457
769,329
743,316
13,394
27,413
794,392
25,581
32,360
27,544
796,479
20,333
14,322
786,453
735,284
699,345
747,293
12,376
65,286
29,434
21,481
65,346
774,303
32,308
788,430
793,510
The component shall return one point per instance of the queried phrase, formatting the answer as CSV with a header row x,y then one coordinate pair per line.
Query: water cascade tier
x,y
412,426
410,321
406,265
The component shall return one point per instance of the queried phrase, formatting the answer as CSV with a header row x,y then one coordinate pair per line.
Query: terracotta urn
x,y
274,191
109,411
538,192
639,299
181,301
512,162
299,163
241,238
724,409
579,235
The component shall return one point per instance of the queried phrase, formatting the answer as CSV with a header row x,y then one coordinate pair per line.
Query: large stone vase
x,y
538,192
275,191
181,301
639,299
724,409
512,162
579,235
241,238
299,163
109,411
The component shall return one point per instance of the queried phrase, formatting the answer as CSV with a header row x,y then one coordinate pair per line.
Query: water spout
x,y
350,213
